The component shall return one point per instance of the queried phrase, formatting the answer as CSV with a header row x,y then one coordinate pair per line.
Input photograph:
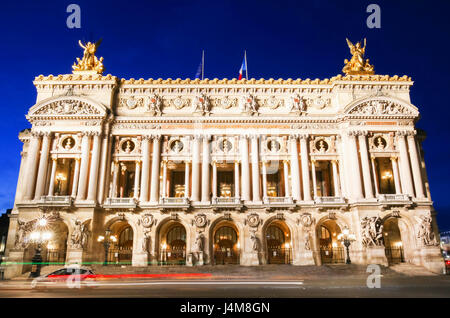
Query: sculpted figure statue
x,y
89,62
77,234
426,233
372,231
254,241
20,234
197,249
357,64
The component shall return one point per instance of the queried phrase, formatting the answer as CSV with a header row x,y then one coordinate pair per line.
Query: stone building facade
x,y
216,171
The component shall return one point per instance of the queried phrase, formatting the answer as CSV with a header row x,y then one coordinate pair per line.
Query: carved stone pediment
x,y
67,107
381,107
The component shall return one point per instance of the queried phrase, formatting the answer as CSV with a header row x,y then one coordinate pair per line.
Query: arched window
x,y
126,238
225,233
176,237
275,236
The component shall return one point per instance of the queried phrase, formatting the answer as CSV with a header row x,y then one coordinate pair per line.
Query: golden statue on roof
x,y
89,62
357,64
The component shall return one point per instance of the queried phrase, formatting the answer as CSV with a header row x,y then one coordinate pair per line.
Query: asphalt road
x,y
391,287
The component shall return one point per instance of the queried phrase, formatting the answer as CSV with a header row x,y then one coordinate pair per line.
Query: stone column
x,y
405,175
145,169
313,170
264,174
31,170
398,189
51,187
43,167
164,180
337,188
137,175
76,176
84,167
103,164
255,169
365,165
374,173
93,173
114,189
156,156
206,188
305,168
245,168
186,179
295,171
356,186
196,169
236,179
286,179
214,177
413,155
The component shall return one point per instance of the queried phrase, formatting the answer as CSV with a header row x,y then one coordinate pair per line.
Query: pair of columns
x,y
407,183
37,167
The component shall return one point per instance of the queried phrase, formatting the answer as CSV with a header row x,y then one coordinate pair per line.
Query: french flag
x,y
243,67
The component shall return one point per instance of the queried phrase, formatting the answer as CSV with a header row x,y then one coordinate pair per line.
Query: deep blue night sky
x,y
283,39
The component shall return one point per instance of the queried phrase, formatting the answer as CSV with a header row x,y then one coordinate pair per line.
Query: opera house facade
x,y
217,171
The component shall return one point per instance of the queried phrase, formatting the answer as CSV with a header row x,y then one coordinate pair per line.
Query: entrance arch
x,y
278,243
393,243
172,244
226,244
331,249
121,250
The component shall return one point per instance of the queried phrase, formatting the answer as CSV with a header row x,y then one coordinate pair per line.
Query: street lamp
x,y
346,238
107,239
38,236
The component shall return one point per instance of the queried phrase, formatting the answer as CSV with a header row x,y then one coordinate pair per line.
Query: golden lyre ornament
x,y
89,62
357,64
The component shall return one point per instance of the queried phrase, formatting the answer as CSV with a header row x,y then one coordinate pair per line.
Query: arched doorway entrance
x,y
393,241
121,250
226,245
278,242
173,245
331,250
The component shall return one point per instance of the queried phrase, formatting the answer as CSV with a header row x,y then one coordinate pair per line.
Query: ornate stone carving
x,y
248,104
253,220
225,102
380,107
146,222
306,220
425,232
67,107
372,231
154,104
23,229
297,104
255,241
200,220
202,104
357,64
178,102
79,235
273,102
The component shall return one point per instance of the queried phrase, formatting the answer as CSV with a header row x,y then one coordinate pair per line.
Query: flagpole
x,y
203,64
246,65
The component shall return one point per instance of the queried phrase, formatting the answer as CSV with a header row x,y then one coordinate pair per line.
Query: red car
x,y
68,277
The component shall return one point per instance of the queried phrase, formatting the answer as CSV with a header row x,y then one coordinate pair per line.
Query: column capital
x,y
401,133
146,137
335,161
54,158
286,162
243,136
393,158
352,133
411,133
361,133
138,162
293,137
254,136
156,136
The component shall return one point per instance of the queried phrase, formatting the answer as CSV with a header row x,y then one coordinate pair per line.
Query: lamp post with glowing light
x,y
387,176
346,238
107,240
39,236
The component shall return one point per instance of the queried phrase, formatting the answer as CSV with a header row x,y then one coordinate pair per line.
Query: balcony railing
x,y
393,197
175,201
330,200
57,200
120,203
226,201
278,200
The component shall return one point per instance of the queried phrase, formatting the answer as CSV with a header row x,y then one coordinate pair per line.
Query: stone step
x,y
411,270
